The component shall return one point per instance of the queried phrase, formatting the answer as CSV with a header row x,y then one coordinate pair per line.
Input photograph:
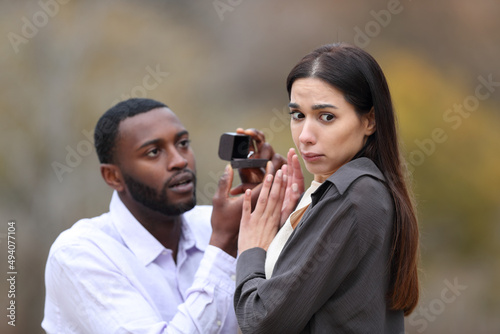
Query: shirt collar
x,y
188,238
142,243
346,175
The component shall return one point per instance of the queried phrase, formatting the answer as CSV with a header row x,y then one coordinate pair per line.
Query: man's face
x,y
157,162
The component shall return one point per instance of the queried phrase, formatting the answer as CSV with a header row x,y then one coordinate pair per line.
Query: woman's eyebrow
x,y
314,107
323,106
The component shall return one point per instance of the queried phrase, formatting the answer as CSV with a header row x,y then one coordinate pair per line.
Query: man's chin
x,y
178,209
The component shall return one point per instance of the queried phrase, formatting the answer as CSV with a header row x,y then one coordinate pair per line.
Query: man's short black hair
x,y
106,130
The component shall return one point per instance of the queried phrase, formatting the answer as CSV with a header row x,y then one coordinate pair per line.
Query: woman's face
x,y
326,129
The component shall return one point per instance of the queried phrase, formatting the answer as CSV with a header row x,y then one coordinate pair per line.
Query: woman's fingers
x,y
259,227
298,177
281,199
275,199
294,187
247,206
286,172
271,196
263,196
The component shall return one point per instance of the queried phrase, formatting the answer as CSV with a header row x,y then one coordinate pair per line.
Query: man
x,y
153,263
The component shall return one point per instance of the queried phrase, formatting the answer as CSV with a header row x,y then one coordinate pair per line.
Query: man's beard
x,y
158,201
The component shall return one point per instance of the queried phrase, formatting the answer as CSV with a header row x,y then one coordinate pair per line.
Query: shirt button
x,y
233,277
219,323
164,253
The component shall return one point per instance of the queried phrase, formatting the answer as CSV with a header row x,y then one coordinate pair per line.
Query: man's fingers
x,y
270,168
278,161
225,183
258,138
240,189
265,150
257,135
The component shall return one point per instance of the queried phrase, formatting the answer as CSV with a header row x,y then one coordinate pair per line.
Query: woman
x,y
346,259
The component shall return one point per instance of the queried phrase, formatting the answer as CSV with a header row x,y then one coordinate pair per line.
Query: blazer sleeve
x,y
340,235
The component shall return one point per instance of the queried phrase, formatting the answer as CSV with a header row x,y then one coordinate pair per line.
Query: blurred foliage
x,y
223,70
457,181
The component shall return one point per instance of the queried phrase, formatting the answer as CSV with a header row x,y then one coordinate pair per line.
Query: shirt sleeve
x,y
209,300
87,293
340,236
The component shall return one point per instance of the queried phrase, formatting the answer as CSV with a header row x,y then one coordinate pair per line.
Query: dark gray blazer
x,y
333,273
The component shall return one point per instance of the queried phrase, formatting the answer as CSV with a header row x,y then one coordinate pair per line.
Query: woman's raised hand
x,y
258,228
294,187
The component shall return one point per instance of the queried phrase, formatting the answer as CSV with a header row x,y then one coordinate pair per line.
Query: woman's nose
x,y
307,135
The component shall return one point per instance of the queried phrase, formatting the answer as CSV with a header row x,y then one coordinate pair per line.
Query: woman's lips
x,y
311,156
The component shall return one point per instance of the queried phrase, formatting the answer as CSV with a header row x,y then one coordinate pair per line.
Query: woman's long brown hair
x,y
356,73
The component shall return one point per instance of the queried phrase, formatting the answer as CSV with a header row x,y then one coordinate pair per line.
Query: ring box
x,y
234,147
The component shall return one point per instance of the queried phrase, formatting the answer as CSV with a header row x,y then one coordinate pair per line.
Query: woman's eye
x,y
153,152
296,115
327,117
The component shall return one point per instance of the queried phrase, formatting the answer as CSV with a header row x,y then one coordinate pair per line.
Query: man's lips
x,y
183,182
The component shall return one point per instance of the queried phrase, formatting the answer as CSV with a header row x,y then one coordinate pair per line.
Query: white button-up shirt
x,y
108,275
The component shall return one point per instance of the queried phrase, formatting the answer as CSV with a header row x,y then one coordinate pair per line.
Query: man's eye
x,y
184,143
327,117
153,152
296,115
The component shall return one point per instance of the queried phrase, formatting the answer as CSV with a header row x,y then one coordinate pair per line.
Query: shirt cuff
x,y
218,267
250,262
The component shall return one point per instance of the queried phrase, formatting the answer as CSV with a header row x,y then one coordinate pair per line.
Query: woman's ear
x,y
112,176
371,125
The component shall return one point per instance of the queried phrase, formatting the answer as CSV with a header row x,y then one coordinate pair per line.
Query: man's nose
x,y
175,160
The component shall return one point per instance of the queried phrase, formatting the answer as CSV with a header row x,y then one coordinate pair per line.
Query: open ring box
x,y
234,147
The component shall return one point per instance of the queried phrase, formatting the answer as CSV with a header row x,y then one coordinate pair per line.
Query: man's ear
x,y
371,125
112,176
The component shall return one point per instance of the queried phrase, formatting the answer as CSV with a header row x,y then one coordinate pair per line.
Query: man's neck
x,y
166,229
